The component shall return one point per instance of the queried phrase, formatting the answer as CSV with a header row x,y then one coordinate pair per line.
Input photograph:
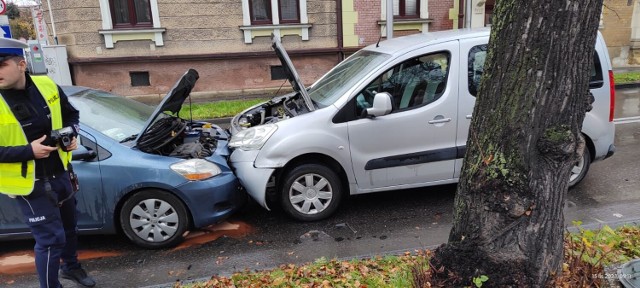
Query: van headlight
x,y
252,138
196,169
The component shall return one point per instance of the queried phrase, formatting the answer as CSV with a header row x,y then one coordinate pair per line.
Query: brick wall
x,y
439,12
370,11
367,28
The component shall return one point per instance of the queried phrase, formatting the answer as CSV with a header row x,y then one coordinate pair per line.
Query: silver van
x,y
394,115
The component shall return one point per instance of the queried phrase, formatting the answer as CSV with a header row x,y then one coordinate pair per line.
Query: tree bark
x,y
524,139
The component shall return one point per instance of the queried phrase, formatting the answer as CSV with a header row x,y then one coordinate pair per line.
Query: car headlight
x,y
196,169
252,138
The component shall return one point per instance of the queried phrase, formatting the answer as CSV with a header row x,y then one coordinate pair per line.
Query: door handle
x,y
437,121
468,116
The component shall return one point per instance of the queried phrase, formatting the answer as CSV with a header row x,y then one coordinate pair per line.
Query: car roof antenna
x,y
378,44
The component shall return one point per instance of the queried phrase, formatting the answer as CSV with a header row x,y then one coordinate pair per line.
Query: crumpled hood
x,y
173,101
292,74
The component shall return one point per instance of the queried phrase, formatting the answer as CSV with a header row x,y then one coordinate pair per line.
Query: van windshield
x,y
344,76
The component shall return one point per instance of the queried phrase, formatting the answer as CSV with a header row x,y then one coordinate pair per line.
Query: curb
x,y
573,229
628,85
359,257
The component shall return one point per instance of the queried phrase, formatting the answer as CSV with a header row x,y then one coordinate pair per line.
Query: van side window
x,y
478,54
596,73
413,83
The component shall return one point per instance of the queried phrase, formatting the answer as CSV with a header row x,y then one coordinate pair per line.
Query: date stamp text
x,y
611,276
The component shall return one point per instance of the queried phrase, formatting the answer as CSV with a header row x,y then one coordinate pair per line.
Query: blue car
x,y
144,172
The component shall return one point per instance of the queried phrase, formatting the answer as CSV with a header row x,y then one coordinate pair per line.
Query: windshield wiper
x,y
132,137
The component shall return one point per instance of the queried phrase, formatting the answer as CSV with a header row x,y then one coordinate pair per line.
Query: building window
x,y
408,15
262,12
140,78
289,11
261,18
124,20
406,8
131,13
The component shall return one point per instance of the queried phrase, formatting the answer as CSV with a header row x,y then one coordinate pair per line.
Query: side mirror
x,y
381,105
82,153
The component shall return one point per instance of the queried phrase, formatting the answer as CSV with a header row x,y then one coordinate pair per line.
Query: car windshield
x,y
114,116
344,76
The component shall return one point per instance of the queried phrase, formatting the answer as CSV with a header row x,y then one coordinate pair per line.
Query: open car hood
x,y
173,101
292,74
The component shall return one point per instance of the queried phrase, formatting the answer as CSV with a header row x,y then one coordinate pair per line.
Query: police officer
x,y
34,169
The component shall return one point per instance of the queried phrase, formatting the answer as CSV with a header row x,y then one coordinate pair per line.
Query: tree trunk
x,y
524,139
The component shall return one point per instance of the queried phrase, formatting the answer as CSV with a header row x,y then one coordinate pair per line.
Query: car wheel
x,y
580,170
154,219
311,192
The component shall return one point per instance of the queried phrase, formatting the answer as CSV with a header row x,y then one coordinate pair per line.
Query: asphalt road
x,y
366,225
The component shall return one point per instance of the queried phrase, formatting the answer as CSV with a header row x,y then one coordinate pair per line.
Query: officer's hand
x,y
41,151
73,145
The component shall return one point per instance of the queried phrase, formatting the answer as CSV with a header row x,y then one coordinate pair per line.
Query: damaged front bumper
x,y
254,180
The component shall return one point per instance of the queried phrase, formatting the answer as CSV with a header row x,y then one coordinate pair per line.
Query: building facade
x,y
620,27
139,48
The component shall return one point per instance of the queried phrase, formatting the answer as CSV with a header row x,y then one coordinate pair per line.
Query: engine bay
x,y
273,111
176,137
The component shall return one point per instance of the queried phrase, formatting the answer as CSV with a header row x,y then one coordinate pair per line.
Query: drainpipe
x,y
461,15
467,18
389,19
340,32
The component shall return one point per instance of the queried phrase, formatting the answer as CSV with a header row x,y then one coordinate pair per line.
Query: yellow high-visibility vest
x,y
18,178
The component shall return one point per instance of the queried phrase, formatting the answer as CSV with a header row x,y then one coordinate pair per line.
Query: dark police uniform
x,y
31,107
54,228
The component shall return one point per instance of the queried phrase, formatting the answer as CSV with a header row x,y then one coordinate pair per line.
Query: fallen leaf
x,y
488,160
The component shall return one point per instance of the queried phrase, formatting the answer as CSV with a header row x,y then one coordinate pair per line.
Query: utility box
x,y
57,64
35,59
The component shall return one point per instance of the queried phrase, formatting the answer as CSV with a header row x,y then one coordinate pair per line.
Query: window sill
x,y
407,21
406,24
280,30
115,35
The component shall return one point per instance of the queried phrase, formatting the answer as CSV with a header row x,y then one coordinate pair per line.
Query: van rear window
x,y
478,54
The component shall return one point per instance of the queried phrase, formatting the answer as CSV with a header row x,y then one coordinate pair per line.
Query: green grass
x,y
217,109
626,77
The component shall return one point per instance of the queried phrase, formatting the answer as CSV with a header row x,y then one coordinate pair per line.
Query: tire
x,y
154,231
310,192
579,171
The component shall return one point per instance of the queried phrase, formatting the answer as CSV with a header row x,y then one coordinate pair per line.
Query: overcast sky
x,y
22,2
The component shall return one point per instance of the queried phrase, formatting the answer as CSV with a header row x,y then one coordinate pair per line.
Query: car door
x,y
415,143
90,197
473,52
11,219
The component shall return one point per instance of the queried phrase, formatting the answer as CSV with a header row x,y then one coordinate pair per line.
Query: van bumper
x,y
254,180
611,151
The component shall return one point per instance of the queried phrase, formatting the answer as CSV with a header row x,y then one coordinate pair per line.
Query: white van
x,y
394,115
